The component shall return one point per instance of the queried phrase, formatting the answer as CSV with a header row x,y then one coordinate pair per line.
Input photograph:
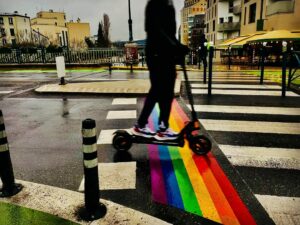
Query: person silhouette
x,y
161,49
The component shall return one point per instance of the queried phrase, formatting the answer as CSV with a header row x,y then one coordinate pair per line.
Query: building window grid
x,y
10,21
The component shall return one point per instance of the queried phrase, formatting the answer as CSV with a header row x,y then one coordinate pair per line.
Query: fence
x,y
91,56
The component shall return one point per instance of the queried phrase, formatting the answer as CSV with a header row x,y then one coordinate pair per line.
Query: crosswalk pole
x,y
9,187
93,208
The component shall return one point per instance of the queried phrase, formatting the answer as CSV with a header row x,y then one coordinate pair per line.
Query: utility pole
x,y
130,23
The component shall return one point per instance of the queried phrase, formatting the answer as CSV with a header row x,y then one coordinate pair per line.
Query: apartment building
x,y
268,15
189,18
222,20
78,31
14,28
52,25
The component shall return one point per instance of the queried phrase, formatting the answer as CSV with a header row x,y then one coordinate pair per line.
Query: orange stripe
x,y
204,199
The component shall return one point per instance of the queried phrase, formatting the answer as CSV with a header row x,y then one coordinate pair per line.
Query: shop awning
x,y
230,42
276,35
241,43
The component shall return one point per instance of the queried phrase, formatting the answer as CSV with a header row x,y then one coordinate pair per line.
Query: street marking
x,y
124,101
106,136
247,109
6,92
65,203
236,86
244,92
115,176
283,158
122,114
283,210
251,126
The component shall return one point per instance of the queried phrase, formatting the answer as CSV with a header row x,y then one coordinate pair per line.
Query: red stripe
x,y
231,194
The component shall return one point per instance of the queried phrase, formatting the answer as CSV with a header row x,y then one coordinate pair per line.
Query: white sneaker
x,y
167,134
143,131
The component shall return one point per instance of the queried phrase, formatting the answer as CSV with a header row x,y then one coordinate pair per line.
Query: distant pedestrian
x,y
162,47
202,53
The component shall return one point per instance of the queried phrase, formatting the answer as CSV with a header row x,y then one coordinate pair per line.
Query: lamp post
x,y
229,56
130,22
284,59
262,65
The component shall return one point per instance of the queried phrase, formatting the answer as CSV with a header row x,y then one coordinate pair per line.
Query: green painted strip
x,y
186,189
17,215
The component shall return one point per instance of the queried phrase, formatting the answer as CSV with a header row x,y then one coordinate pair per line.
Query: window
x,y
221,20
10,20
230,9
252,13
230,19
2,32
12,32
214,25
4,41
13,41
207,28
1,20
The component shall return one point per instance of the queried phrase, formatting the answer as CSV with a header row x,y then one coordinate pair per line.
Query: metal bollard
x,y
9,187
210,62
93,208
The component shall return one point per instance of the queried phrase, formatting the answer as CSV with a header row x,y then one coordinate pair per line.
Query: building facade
x,y
78,31
191,9
222,20
52,25
14,29
268,15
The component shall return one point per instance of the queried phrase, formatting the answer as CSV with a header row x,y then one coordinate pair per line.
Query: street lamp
x,y
262,64
130,22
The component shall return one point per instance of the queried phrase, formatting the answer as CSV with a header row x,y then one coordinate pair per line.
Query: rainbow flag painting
x,y
193,183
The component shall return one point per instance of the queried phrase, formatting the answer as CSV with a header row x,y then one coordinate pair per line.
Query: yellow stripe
x,y
90,163
2,134
89,148
4,148
205,202
89,132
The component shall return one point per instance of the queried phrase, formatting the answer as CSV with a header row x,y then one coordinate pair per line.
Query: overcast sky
x,y
92,11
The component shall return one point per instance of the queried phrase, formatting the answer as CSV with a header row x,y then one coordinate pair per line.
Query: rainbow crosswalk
x,y
193,183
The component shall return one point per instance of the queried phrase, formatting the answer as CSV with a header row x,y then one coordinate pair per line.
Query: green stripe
x,y
186,189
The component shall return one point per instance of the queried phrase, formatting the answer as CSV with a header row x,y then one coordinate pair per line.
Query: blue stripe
x,y
171,185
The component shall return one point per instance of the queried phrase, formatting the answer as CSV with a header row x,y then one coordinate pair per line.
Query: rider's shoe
x,y
143,131
167,134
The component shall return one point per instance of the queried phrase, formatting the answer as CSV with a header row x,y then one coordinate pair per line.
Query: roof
x,y
229,42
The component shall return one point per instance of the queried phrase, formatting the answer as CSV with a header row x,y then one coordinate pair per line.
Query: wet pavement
x,y
44,133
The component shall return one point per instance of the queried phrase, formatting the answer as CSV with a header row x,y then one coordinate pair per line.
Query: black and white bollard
x,y
9,187
93,208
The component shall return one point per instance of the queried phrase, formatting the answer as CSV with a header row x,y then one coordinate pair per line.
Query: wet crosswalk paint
x,y
196,184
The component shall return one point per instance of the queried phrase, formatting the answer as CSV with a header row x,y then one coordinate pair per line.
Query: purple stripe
x,y
157,181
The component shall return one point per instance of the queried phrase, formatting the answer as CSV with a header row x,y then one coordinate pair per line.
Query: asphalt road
x,y
44,133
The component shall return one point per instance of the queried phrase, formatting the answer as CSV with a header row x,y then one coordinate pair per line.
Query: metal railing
x,y
92,56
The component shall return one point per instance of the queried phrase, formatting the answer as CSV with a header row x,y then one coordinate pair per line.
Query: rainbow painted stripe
x,y
193,183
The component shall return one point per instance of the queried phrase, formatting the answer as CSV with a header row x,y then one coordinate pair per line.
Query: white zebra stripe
x,y
282,158
247,109
251,126
283,210
124,101
115,176
244,92
106,136
122,114
6,92
238,86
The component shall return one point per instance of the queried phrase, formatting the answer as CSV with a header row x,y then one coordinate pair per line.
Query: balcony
x,y
229,26
280,7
